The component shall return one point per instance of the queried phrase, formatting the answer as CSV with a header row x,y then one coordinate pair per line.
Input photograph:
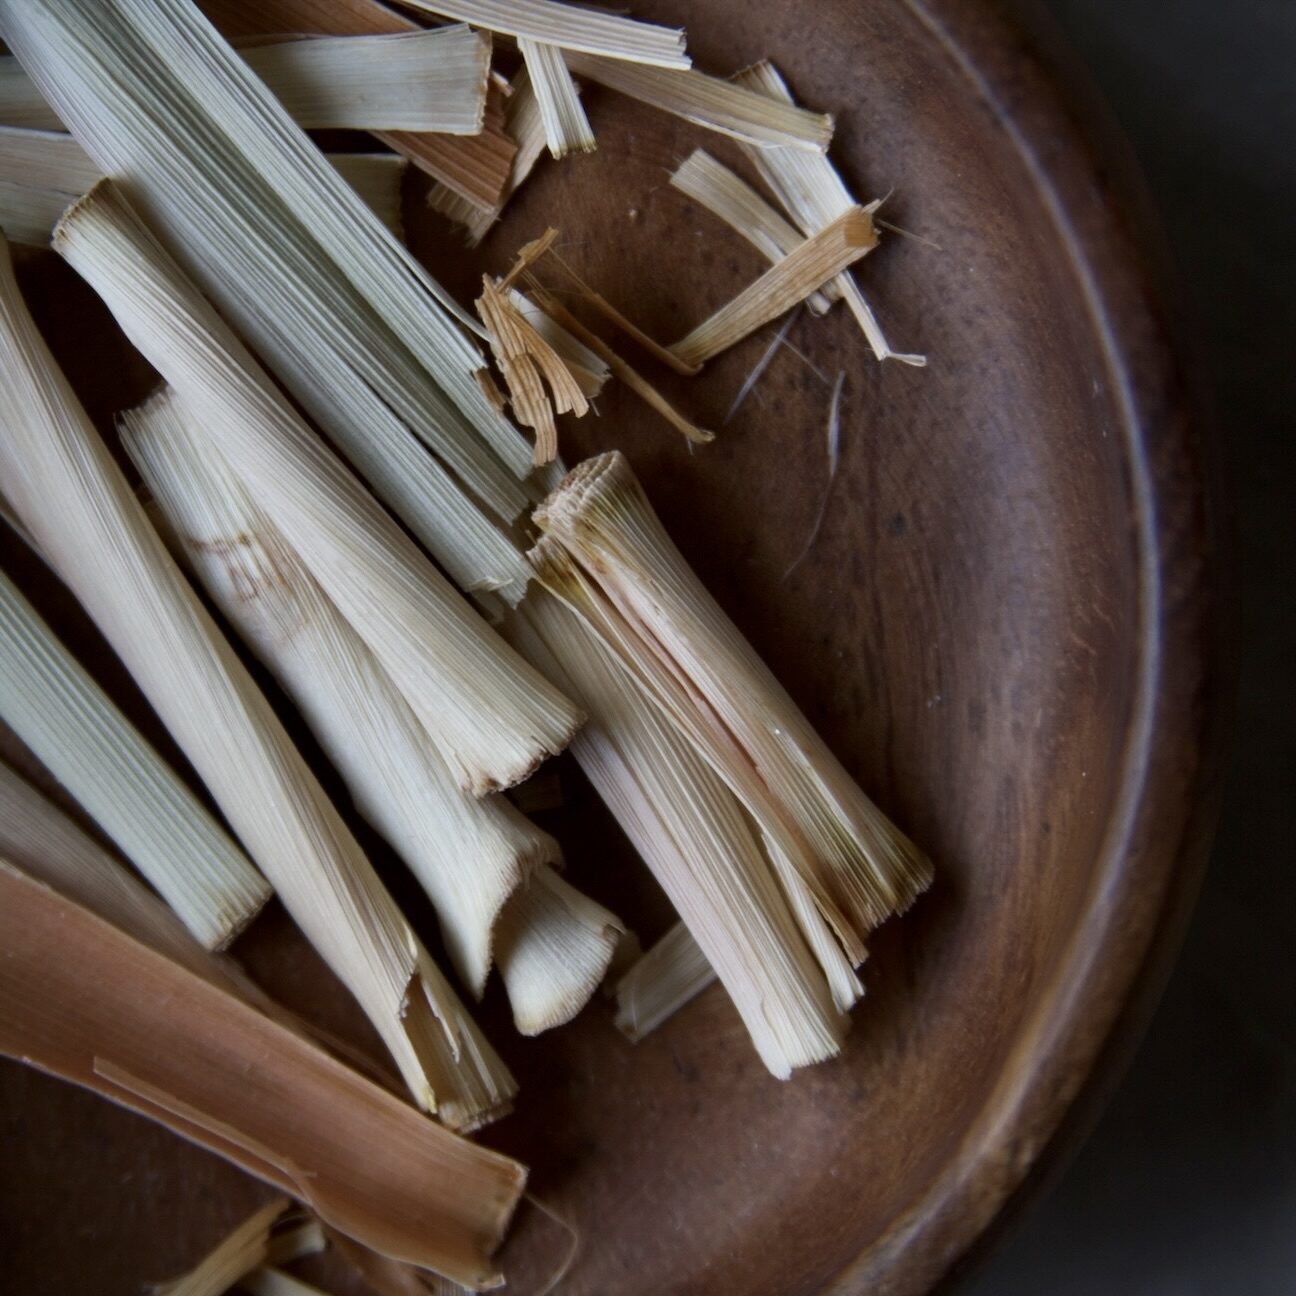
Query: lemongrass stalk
x,y
671,974
120,1019
336,306
416,81
78,733
734,201
574,27
590,370
491,715
47,171
691,833
469,855
567,128
602,516
65,486
524,124
47,844
547,926
813,194
708,101
807,882
237,1254
789,281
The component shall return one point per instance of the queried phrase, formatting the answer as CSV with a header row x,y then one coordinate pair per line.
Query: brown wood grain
x,y
1004,628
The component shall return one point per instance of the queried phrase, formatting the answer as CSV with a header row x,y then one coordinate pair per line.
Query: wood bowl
x,y
1003,626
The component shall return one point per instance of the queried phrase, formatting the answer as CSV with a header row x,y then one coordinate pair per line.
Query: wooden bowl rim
x,y
1086,1025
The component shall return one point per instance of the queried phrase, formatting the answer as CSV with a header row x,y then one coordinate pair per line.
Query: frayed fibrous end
x,y
602,516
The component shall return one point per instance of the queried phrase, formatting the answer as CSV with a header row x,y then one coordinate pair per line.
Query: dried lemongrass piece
x,y
377,179
412,81
44,842
813,194
527,363
786,283
692,834
126,1022
630,376
566,127
574,27
353,325
709,101
590,370
734,201
42,173
77,732
554,945
601,514
671,974
469,855
234,1257
806,881
491,715
525,126
66,487
21,103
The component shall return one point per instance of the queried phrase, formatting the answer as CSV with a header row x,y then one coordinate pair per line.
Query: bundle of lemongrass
x,y
245,264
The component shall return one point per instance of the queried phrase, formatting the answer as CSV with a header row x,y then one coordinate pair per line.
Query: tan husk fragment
x,y
83,739
527,363
65,486
787,282
470,855
623,371
813,194
491,715
671,974
692,834
709,101
574,27
235,1256
601,515
566,127
590,370
126,1022
735,202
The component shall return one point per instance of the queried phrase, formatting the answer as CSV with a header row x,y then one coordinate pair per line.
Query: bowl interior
x,y
963,629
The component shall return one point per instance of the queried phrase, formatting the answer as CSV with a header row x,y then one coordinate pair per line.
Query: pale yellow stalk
x,y
671,974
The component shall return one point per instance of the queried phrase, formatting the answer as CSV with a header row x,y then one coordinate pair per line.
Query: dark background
x,y
1187,1186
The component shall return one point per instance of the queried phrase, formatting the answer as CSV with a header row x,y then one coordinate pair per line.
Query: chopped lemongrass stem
x,y
758,369
492,716
46,159
553,946
529,366
525,126
566,127
735,202
77,732
413,81
786,283
302,1237
587,366
114,1016
46,843
692,834
347,317
377,178
673,972
28,215
631,377
609,312
469,855
574,27
21,103
235,1256
813,194
807,882
711,102
66,487
600,513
